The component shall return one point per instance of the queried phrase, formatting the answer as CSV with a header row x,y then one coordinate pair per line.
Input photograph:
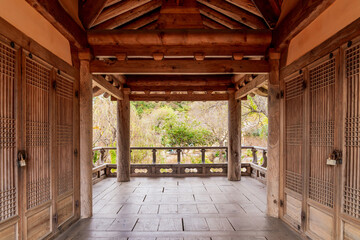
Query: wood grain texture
x,y
234,149
123,139
85,137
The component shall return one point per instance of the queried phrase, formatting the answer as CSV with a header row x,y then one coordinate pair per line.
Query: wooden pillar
x,y
86,131
234,147
123,139
273,163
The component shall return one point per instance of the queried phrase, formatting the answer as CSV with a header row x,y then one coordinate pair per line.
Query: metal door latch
x,y
334,158
21,157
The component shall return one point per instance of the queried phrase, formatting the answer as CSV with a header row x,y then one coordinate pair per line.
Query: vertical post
x,y
254,153
234,148
154,156
264,165
203,155
123,139
86,131
273,168
102,156
178,151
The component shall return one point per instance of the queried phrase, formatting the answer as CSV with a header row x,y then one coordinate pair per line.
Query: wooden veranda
x,y
55,55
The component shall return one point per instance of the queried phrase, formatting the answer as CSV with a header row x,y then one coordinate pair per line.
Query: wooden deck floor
x,y
180,208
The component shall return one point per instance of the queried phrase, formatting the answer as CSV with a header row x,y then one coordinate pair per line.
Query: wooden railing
x,y
156,169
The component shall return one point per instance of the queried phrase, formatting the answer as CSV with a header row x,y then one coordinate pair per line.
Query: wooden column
x,y
273,164
234,147
86,131
123,139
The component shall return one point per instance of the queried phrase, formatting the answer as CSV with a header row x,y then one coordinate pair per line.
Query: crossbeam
x,y
178,97
101,83
251,86
172,66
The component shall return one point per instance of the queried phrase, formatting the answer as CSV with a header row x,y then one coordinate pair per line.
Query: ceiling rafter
x,y
220,18
118,8
129,15
247,5
235,13
270,14
151,26
142,20
90,10
211,23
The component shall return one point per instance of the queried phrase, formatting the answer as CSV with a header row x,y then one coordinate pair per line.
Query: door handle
x,y
21,157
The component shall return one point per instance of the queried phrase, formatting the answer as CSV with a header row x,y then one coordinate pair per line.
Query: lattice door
x,y
294,129
322,122
351,201
64,132
37,77
8,186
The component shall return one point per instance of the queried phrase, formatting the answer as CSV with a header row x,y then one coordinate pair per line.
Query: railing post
x,y
254,152
178,155
154,156
102,155
226,155
264,165
203,155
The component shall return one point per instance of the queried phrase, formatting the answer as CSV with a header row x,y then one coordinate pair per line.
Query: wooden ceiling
x,y
144,14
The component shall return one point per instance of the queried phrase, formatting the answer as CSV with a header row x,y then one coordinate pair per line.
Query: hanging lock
x,y
334,158
21,158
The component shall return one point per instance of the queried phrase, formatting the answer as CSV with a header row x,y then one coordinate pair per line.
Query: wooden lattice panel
x,y
7,132
352,133
294,128
38,76
322,117
64,132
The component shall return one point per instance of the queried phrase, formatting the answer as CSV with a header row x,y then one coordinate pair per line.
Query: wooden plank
x,y
212,24
247,5
220,18
251,86
107,87
300,17
119,8
179,97
61,20
179,67
130,15
235,13
90,10
270,14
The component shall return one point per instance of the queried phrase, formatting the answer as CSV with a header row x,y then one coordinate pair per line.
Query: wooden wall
x,y
321,114
39,114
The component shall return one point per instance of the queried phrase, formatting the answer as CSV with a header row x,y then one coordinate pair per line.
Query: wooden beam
x,y
90,10
61,20
107,87
150,26
300,17
179,67
129,15
235,13
248,88
220,18
180,37
119,8
221,42
179,83
270,14
143,21
179,97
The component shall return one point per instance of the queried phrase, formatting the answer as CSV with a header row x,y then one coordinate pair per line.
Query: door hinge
x,y
304,85
54,85
75,152
56,218
77,204
281,203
